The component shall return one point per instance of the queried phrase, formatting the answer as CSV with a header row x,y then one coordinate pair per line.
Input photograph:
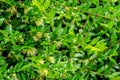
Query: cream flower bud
x,y
37,36
41,61
51,59
43,72
39,22
31,51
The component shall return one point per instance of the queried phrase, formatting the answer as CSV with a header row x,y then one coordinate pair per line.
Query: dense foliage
x,y
59,39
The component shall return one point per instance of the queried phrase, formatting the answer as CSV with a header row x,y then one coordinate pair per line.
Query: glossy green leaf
x,y
9,28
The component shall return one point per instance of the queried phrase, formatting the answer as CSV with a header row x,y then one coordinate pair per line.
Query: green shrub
x,y
59,39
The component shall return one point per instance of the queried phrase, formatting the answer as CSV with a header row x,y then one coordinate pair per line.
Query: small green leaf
x,y
113,37
46,4
41,2
9,28
87,38
71,30
51,15
95,2
23,76
1,21
115,74
18,66
76,76
94,41
112,60
114,1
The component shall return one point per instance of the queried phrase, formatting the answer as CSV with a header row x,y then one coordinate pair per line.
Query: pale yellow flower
x,y
12,10
41,61
26,10
39,22
46,35
51,59
29,51
14,77
37,36
43,72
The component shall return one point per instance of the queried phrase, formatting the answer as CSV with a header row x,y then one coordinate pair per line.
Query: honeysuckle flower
x,y
41,61
37,36
39,22
29,51
43,72
51,59
46,35
14,76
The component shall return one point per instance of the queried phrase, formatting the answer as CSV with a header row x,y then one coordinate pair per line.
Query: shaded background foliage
x,y
65,39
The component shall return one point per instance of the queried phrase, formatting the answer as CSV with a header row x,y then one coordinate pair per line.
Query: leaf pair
x,y
96,45
41,4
